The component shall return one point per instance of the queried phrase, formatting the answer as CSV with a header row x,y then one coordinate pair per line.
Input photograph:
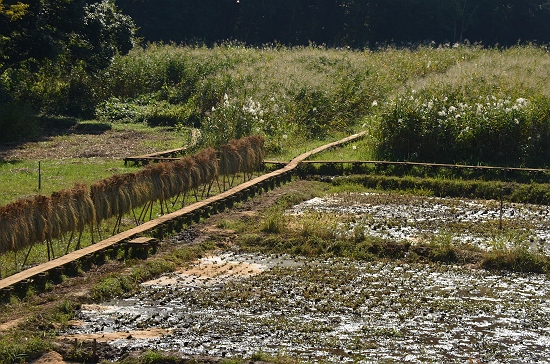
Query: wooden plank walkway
x,y
421,164
271,178
156,157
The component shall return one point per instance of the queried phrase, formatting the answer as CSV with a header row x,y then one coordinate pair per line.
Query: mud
x,y
480,223
337,311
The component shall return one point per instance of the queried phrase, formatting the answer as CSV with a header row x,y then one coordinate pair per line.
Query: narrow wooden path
x,y
422,164
155,157
160,226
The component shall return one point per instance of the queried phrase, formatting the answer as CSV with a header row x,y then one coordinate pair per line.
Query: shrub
x,y
451,128
17,122
518,259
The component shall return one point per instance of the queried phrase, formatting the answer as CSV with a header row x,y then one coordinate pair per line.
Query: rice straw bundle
x,y
118,194
24,228
182,170
170,181
207,161
16,225
6,231
58,217
98,192
257,143
230,160
64,213
247,154
154,173
196,177
84,206
138,190
42,216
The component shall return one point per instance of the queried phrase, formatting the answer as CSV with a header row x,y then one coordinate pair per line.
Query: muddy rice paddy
x,y
479,223
235,305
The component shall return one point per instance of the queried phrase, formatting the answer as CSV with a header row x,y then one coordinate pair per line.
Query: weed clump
x,y
517,259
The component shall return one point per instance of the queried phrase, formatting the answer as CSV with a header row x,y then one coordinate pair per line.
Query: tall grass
x,y
284,94
429,103
494,109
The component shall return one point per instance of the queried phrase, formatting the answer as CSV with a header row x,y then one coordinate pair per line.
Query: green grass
x,y
22,346
300,98
446,187
21,178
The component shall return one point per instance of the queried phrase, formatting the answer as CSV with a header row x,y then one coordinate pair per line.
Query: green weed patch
x,y
536,193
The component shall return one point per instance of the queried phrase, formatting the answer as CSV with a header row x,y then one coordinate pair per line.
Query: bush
x,y
518,259
452,128
17,122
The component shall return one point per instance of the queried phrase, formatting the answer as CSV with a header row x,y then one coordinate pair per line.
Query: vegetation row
x,y
536,193
451,104
45,218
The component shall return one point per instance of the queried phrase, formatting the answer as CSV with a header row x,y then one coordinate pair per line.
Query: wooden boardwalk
x,y
162,225
421,164
156,157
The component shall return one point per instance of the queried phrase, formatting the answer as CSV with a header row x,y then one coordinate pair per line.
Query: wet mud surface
x,y
479,223
336,311
235,304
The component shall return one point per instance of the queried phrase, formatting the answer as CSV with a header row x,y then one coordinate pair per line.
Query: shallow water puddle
x,y
414,218
210,270
338,311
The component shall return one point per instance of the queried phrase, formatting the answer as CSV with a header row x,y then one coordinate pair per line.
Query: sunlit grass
x,y
299,92
302,98
492,109
21,179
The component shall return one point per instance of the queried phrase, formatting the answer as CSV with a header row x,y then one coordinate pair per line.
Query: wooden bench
x,y
139,247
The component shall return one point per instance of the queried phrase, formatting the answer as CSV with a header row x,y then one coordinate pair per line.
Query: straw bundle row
x,y
71,210
42,218
242,155
207,161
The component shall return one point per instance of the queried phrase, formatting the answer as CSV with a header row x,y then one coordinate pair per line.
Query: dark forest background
x,y
336,23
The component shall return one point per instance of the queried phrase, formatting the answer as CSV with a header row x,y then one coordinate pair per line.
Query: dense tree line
x,y
73,41
69,32
355,23
69,41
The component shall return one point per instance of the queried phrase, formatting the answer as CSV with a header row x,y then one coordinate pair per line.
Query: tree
x,y
63,30
8,14
105,32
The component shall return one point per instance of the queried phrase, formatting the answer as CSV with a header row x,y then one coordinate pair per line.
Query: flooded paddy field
x,y
235,304
479,223
333,311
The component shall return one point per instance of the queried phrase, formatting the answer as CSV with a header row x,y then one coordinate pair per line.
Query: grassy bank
x,y
459,104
